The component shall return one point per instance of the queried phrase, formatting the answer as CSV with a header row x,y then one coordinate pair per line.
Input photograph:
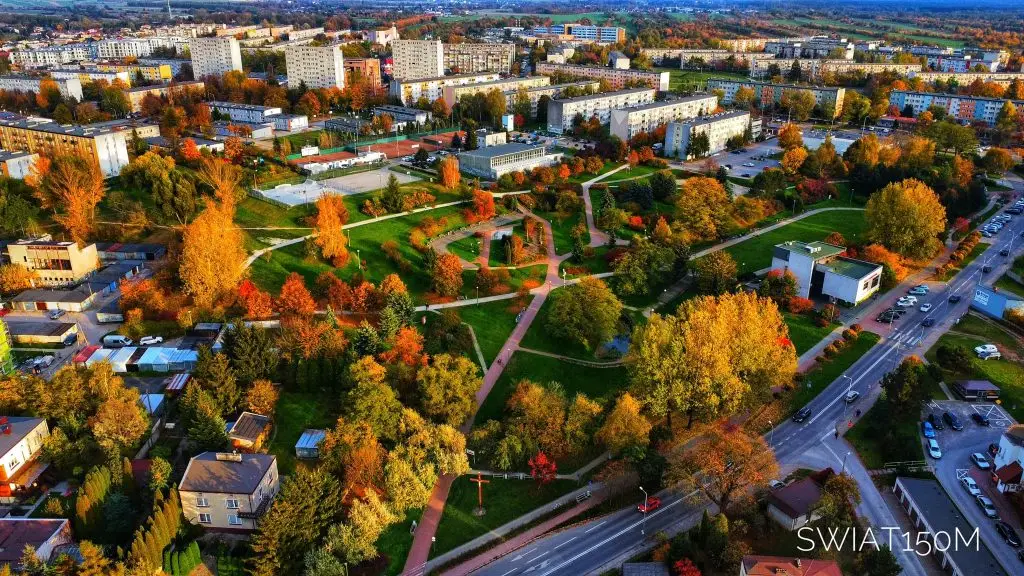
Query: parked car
x,y
970,485
1004,252
776,484
1008,534
981,419
985,503
986,269
147,340
933,449
953,421
653,503
954,298
990,355
926,307
985,349
852,396
927,430
116,341
980,461
919,290
935,421
803,414
55,314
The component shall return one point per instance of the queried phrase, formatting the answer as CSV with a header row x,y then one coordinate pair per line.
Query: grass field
x,y
1008,284
396,541
561,228
467,248
824,373
691,80
504,500
756,253
295,412
492,322
804,332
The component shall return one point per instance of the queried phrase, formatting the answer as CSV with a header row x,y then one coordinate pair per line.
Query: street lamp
x,y
771,433
846,405
643,526
844,462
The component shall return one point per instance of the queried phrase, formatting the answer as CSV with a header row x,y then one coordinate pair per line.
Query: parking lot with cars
x,y
744,163
967,434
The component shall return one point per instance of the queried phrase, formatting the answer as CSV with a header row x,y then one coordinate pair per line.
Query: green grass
x,y
635,173
689,79
595,264
876,449
804,332
492,323
40,511
1007,284
561,228
517,276
296,412
467,248
599,384
396,541
504,501
824,373
978,250
756,253
587,176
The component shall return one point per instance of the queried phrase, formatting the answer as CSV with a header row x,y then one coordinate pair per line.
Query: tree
x,y
214,374
778,285
840,497
356,539
878,561
15,278
997,160
542,468
448,170
222,178
800,103
447,275
371,400
448,387
644,266
261,397
393,196
202,419
295,299
625,426
586,312
663,185
731,462
790,137
906,386
482,207
252,351
716,273
906,217
1007,119
685,567
793,159
212,254
331,217
698,146
702,207
769,182
71,186
120,421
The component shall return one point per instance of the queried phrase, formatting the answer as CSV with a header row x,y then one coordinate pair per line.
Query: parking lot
x,y
956,463
745,163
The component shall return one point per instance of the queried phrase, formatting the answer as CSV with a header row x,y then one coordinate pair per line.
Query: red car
x,y
652,504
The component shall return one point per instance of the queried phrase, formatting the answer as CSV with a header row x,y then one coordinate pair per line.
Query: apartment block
x,y
409,91
417,59
452,94
136,95
151,72
121,48
56,263
718,127
813,68
965,78
51,56
255,114
107,145
617,78
494,161
818,47
586,32
963,108
305,34
17,164
228,491
174,64
549,90
628,122
562,112
362,69
465,57
755,44
315,66
384,36
85,76
69,87
714,57
214,56
767,93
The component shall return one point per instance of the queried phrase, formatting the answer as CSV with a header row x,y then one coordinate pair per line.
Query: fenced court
x,y
310,190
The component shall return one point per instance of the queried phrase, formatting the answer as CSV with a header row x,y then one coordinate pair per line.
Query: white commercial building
x,y
494,161
417,59
255,114
628,122
315,66
69,87
821,269
562,112
214,56
719,128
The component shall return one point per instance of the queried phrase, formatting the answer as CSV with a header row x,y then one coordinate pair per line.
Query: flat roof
x,y
577,66
52,127
586,97
938,510
43,295
6,155
814,250
222,104
851,268
30,328
17,533
702,120
664,103
502,81
960,96
500,150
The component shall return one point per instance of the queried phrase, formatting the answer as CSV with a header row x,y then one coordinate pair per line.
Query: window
x,y
204,518
231,503
202,502
234,520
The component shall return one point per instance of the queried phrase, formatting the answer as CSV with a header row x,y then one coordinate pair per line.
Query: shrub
x,y
821,322
849,335
856,328
830,350
798,305
953,358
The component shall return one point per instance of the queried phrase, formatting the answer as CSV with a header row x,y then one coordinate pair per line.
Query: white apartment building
x,y
628,122
616,77
384,36
452,94
121,48
69,87
965,78
718,127
305,34
813,68
417,59
255,114
51,56
409,91
214,56
562,112
711,57
821,269
84,75
315,66
550,90
467,57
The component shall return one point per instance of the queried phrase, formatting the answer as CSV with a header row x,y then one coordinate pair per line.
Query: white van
x,y
116,341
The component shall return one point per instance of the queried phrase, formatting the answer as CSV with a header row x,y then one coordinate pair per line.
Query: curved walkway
x,y
597,237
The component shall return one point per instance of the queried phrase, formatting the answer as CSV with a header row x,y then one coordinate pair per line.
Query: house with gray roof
x,y
228,492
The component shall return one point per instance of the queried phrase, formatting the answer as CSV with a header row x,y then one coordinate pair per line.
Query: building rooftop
x,y
952,96
600,95
30,328
249,426
851,268
797,499
226,473
978,385
1015,434
451,77
816,250
581,84
500,150
664,103
761,83
639,72
783,566
311,438
17,533
6,155
20,426
78,295
500,81
257,107
939,512
36,124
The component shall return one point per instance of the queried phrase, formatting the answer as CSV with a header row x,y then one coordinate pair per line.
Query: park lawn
x,y
467,248
66,501
295,412
978,250
595,264
270,274
599,384
690,79
804,331
824,373
538,337
504,501
672,305
561,228
587,176
255,213
394,543
756,253
1008,284
492,323
872,446
635,173
517,277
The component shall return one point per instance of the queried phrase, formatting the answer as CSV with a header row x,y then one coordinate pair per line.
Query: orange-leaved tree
x,y
71,185
331,216
730,461
295,299
212,254
448,169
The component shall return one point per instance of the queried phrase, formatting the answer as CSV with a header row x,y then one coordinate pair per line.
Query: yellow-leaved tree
x,y
906,217
212,254
331,216
71,185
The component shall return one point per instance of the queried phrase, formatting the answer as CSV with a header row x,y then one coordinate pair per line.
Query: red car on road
x,y
652,504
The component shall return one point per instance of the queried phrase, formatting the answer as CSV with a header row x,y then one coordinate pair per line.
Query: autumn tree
x,y
71,186
792,160
448,387
295,299
328,224
716,273
625,426
222,178
543,469
840,497
448,170
906,217
702,207
482,207
446,277
998,160
212,254
258,303
730,462
586,313
261,398
371,399
790,137
15,278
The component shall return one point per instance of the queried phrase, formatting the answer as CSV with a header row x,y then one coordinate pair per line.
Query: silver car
x,y
971,486
987,506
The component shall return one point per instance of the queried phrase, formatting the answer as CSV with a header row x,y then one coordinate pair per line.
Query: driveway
x,y
955,463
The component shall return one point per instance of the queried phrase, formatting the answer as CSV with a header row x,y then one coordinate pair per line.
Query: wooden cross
x,y
480,487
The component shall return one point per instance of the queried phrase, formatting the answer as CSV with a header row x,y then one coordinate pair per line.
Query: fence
x,y
154,435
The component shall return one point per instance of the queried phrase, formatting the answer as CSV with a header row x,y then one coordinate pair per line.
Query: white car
x,y
906,301
980,461
985,350
926,307
986,506
933,449
971,486
748,164
147,340
852,396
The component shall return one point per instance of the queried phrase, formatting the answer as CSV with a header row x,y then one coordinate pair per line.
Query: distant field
x,y
555,18
680,78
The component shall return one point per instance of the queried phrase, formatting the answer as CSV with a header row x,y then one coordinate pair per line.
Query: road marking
x,y
510,571
865,372
829,448
527,553
566,542
594,527
541,555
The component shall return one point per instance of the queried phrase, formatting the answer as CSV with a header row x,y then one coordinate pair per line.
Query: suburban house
x,y
1008,465
228,492
976,390
792,506
21,439
249,432
822,270
783,566
43,534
